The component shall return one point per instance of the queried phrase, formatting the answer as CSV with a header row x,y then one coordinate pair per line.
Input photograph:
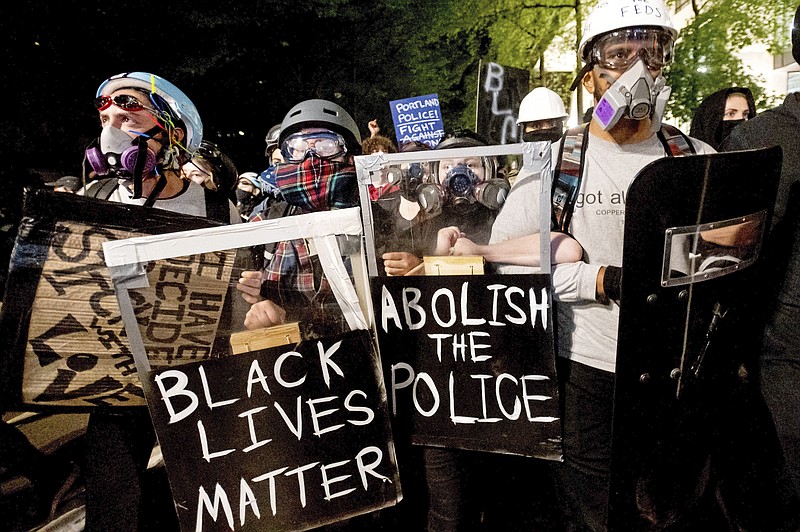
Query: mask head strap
x,y
582,72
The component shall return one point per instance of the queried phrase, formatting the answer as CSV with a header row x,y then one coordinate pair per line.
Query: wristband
x,y
612,282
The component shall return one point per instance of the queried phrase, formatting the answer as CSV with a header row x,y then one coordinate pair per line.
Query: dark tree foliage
x,y
705,52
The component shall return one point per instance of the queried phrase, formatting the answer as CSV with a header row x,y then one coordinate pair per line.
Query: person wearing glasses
x,y
150,129
318,140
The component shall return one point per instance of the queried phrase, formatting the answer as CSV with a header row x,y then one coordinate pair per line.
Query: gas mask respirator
x,y
461,189
117,153
634,95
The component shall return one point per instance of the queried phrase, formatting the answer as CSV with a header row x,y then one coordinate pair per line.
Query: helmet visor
x,y
618,50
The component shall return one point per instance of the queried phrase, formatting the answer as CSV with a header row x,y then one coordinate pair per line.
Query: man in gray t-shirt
x,y
625,43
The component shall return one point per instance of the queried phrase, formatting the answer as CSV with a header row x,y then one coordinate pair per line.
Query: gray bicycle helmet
x,y
325,114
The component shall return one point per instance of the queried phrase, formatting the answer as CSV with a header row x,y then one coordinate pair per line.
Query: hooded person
x,y
318,140
779,362
720,112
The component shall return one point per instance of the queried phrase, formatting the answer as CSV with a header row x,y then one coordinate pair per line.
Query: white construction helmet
x,y
541,104
612,15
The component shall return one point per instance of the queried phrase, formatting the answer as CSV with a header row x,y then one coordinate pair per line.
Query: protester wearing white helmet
x,y
541,116
625,45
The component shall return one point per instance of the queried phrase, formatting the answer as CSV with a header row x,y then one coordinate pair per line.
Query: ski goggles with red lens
x,y
326,144
123,101
618,50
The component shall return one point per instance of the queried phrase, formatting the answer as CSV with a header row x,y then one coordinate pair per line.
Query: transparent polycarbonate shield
x,y
463,306
277,398
419,207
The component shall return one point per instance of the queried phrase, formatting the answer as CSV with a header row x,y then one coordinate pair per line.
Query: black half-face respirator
x,y
550,134
634,95
116,153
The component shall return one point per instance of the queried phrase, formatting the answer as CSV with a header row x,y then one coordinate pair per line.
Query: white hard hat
x,y
611,15
541,104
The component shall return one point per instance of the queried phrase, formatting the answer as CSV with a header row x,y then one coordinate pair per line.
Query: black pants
x,y
119,444
587,399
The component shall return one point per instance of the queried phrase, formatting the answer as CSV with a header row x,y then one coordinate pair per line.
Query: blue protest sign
x,y
418,119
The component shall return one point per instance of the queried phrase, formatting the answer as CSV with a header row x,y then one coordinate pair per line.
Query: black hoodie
x,y
707,120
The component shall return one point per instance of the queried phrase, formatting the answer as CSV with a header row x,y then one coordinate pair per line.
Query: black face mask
x,y
245,201
727,127
551,135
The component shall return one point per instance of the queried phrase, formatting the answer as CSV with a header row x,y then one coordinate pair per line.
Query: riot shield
x,y
692,442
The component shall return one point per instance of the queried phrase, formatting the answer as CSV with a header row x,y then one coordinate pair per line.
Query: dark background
x,y
244,64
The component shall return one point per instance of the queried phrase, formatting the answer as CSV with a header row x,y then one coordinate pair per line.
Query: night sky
x,y
244,64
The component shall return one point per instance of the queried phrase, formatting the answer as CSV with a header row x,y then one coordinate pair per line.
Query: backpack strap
x,y
569,168
676,144
567,175
103,189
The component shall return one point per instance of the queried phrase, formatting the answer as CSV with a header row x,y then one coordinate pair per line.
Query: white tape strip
x,y
330,257
183,243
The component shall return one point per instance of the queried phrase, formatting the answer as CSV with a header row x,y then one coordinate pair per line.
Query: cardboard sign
x,y
418,119
180,310
65,343
500,92
469,361
287,438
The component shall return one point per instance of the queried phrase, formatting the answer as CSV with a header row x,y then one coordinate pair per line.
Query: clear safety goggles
x,y
324,143
618,50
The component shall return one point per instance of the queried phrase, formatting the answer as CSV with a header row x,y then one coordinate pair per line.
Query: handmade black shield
x,y
690,429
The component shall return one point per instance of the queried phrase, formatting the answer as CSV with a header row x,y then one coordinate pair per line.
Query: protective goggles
x,y
123,101
618,50
325,144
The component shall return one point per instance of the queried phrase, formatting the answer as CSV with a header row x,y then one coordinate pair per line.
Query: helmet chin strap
x,y
159,186
138,169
